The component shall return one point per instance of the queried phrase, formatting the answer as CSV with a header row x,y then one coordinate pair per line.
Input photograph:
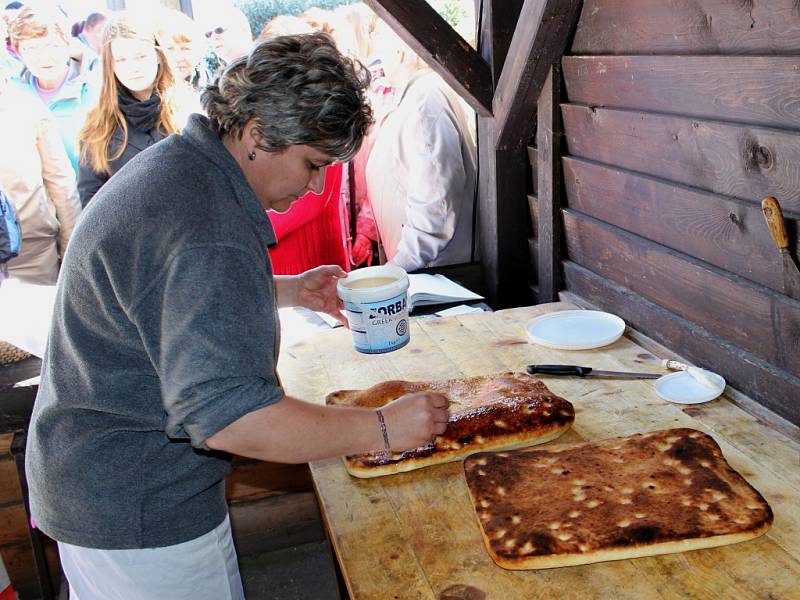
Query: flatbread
x,y
654,493
488,412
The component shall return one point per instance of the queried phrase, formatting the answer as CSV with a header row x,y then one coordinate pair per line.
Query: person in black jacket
x,y
136,108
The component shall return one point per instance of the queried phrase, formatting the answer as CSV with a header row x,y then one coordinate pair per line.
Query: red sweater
x,y
310,233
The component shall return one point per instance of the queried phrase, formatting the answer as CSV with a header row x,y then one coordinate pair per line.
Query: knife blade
x,y
575,370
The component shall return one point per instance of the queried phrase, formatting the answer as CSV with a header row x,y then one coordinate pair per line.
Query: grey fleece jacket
x,y
165,331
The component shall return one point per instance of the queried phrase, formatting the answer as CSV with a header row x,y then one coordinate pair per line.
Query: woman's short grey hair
x,y
300,90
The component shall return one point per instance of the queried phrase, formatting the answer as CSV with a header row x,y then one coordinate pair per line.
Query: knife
x,y
584,371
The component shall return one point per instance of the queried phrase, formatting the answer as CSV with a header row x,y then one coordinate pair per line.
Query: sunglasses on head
x,y
217,30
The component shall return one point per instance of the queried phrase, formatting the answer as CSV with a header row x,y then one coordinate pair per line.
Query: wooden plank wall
x,y
679,117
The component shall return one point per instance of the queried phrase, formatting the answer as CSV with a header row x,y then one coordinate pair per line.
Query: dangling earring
x,y
252,155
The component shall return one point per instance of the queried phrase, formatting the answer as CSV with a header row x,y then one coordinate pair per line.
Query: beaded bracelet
x,y
383,431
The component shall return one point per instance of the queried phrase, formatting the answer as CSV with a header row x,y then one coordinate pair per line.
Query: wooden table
x,y
415,535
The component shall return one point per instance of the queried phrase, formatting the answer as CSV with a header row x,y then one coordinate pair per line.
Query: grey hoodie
x,y
165,331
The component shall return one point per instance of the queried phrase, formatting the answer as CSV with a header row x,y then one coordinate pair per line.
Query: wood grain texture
x,y
539,41
254,479
755,319
13,529
733,160
623,407
9,482
437,43
533,251
414,535
549,187
533,207
274,523
775,389
725,232
759,90
688,27
746,406
533,161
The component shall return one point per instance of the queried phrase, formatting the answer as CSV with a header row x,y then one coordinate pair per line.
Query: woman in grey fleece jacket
x,y
162,354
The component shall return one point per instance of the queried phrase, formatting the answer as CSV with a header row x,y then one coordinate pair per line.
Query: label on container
x,y
381,326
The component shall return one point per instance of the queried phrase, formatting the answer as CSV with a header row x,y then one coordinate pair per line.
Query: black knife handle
x,y
559,370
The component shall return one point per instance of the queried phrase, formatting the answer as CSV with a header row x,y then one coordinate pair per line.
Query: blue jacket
x,y
69,106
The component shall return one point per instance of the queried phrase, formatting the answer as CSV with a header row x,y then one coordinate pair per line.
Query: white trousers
x,y
204,568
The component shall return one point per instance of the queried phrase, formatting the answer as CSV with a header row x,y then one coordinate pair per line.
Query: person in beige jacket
x,y
38,178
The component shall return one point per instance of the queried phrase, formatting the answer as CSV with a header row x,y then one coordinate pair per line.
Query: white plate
x,y
682,388
575,329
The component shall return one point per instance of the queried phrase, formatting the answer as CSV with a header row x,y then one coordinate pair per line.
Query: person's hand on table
x,y
361,251
414,420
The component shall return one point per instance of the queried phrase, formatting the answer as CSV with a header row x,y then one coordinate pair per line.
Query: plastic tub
x,y
376,302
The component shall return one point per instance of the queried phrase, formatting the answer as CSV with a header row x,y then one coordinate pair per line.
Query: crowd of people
x,y
78,103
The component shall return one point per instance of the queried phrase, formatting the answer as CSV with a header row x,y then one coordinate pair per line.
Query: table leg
x,y
35,536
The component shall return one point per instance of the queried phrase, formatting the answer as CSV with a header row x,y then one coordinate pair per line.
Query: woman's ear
x,y
250,134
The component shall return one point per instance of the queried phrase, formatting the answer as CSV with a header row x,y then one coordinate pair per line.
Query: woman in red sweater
x,y
311,232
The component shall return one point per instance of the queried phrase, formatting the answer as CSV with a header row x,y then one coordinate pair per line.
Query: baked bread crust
x,y
646,494
488,412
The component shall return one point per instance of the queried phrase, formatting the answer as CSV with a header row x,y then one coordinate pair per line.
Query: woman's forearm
x,y
293,431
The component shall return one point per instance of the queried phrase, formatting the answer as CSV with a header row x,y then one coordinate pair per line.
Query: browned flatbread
x,y
489,412
654,493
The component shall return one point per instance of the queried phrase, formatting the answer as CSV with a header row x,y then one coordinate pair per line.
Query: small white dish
x,y
681,388
575,329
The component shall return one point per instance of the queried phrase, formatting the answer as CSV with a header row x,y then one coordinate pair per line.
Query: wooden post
x,y
550,189
538,41
500,180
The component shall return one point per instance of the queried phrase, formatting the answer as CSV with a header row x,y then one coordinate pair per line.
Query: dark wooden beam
x,y
549,187
502,210
446,52
539,41
497,23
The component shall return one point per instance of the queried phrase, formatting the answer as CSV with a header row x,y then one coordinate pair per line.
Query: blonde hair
x,y
318,18
284,25
358,21
30,23
101,122
178,28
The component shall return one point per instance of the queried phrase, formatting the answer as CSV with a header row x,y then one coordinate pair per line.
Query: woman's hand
x,y
361,251
414,420
315,289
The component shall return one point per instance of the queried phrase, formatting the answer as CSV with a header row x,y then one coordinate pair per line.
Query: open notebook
x,y
437,289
